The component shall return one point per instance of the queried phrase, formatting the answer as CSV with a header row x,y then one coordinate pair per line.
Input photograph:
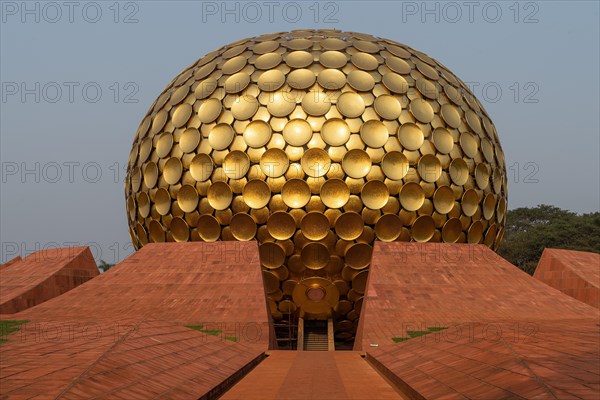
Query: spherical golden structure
x,y
316,144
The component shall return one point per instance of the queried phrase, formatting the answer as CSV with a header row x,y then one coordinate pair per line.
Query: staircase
x,y
315,336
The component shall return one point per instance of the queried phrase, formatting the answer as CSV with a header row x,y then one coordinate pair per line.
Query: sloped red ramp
x,y
42,276
458,321
575,273
124,334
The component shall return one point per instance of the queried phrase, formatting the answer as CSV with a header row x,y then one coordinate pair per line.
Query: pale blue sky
x,y
543,56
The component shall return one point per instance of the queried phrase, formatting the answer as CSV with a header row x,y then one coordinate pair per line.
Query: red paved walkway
x,y
575,273
307,375
42,276
121,335
508,336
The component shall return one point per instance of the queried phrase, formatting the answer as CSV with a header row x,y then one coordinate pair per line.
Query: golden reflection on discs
x,y
412,196
411,136
187,198
374,133
201,167
359,282
236,164
423,228
157,232
243,226
219,195
162,200
274,162
388,107
459,171
349,225
301,78
295,193
388,227
281,225
297,132
172,171
271,255
443,141
489,205
333,59
210,110
268,60
356,163
422,110
189,140
335,193
244,107
394,165
469,144
299,59
451,115
475,233
350,104
395,83
179,229
358,255
221,136
452,230
331,79
164,145
335,132
443,199
470,202
271,80
482,176
361,80
181,115
209,228
375,194
150,175
429,168
315,162
315,255
143,202
256,193
257,133
271,281
316,103
314,225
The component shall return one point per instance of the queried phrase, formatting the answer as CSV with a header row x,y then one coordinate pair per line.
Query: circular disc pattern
x,y
316,144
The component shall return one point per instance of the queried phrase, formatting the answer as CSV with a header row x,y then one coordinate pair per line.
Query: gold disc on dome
x,y
429,168
257,133
189,140
388,227
395,83
470,202
398,65
475,233
271,282
489,205
271,80
237,82
187,198
331,79
295,193
451,115
143,202
256,193
201,167
162,201
236,164
374,133
349,225
443,141
220,136
482,176
335,193
459,171
452,230
297,132
333,59
359,282
375,194
157,232
443,199
244,107
412,196
335,132
164,144
243,226
361,80
350,104
301,78
209,228
395,165
219,195
411,136
315,255
281,103
274,162
210,110
356,163
423,228
358,255
172,170
387,106
271,255
469,145
150,175
181,115
281,225
316,103
422,110
314,225
299,59
315,162
268,61
180,229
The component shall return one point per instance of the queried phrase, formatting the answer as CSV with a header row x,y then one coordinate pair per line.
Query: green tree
x,y
529,231
104,266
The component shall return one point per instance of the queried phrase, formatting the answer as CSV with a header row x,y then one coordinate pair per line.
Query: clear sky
x,y
77,78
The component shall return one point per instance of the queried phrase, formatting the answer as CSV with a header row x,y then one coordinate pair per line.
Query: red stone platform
x,y
123,334
11,262
43,275
575,273
507,335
